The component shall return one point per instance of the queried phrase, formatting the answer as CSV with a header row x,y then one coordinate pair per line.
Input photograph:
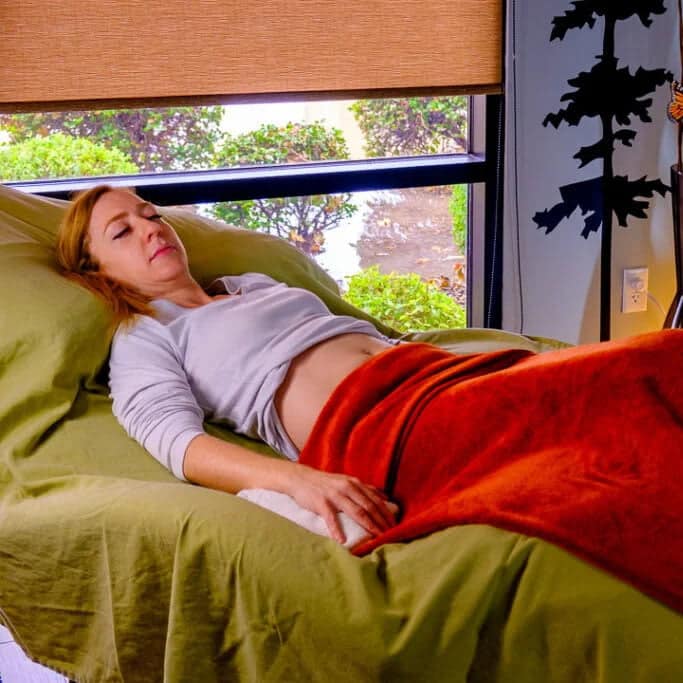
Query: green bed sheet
x,y
112,570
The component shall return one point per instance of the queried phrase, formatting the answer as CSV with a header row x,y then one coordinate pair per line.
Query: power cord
x,y
656,303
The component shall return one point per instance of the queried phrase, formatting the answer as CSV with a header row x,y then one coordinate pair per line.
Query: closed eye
x,y
121,233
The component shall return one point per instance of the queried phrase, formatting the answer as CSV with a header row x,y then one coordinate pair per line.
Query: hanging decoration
x,y
615,95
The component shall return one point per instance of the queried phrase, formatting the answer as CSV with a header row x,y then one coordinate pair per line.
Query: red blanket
x,y
581,447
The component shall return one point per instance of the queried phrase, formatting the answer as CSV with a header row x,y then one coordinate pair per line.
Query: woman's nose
x,y
152,228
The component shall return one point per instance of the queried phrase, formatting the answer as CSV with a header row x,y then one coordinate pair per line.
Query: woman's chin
x,y
169,279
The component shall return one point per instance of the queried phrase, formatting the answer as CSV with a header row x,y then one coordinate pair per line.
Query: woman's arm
x,y
151,395
217,464
154,403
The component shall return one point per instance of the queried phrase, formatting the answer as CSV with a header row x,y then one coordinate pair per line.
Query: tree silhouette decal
x,y
615,95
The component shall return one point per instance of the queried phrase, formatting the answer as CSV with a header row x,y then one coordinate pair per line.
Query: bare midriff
x,y
314,374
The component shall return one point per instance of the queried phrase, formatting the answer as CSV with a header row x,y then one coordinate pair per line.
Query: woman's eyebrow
x,y
116,217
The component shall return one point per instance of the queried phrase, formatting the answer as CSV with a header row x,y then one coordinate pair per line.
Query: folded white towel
x,y
286,506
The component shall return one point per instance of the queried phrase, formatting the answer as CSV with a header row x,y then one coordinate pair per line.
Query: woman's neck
x,y
187,295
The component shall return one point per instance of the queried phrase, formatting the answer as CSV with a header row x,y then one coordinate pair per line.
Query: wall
x,y
552,282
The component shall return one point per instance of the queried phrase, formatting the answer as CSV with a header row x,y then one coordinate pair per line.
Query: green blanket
x,y
112,570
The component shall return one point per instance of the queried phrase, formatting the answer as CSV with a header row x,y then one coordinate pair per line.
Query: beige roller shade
x,y
66,53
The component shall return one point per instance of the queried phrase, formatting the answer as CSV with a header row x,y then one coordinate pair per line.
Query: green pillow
x,y
28,218
53,340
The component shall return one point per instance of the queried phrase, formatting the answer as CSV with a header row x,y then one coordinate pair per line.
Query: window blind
x,y
76,53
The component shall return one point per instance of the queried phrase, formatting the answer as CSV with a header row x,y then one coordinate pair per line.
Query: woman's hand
x,y
228,467
327,494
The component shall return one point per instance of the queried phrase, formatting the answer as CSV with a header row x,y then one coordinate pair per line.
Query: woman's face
x,y
132,244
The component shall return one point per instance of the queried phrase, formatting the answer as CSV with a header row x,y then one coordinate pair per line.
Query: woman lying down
x,y
546,445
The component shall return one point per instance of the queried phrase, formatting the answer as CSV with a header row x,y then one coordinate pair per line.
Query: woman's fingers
x,y
329,515
371,514
326,494
375,505
393,508
379,492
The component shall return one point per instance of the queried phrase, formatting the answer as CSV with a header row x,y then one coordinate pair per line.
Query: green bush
x,y
405,302
155,139
301,220
414,125
457,206
60,156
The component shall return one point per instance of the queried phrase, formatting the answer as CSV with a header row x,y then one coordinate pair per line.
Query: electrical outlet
x,y
634,291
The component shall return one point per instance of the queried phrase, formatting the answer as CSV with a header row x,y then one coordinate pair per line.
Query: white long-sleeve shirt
x,y
224,360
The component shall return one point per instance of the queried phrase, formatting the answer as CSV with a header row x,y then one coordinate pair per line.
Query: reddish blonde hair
x,y
78,264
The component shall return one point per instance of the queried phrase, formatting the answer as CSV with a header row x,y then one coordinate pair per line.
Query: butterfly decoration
x,y
675,109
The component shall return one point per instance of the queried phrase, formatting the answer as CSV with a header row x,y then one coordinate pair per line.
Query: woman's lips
x,y
162,250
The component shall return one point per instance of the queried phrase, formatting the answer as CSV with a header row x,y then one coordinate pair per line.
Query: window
x,y
406,236
110,142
